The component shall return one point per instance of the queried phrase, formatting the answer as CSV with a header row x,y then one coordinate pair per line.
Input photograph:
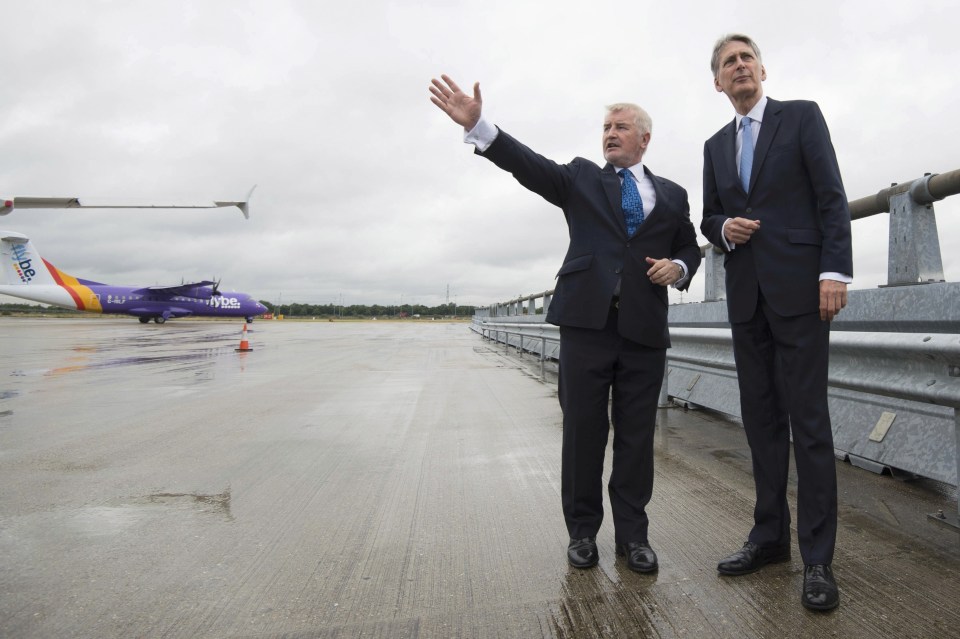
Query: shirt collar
x,y
756,113
636,170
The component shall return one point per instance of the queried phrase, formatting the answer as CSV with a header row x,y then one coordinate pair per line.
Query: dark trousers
x,y
591,363
782,365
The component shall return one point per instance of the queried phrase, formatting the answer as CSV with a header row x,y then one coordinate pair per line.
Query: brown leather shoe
x,y
752,558
582,553
819,588
640,556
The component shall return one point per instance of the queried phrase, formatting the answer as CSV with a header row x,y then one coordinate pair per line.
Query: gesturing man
x,y
630,237
773,200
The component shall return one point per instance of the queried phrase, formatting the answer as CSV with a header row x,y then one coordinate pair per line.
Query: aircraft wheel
x,y
144,320
249,320
159,320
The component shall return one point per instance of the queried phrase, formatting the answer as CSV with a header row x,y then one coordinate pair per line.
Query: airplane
x,y
25,274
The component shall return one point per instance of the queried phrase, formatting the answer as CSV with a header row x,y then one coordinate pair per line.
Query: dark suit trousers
x,y
782,365
591,363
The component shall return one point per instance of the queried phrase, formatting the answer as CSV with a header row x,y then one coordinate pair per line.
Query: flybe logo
x,y
220,301
23,263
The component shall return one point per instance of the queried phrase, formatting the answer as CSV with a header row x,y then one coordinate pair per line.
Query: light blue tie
x,y
630,199
746,153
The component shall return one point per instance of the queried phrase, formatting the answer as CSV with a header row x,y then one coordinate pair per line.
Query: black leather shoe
x,y
640,556
752,558
819,588
582,553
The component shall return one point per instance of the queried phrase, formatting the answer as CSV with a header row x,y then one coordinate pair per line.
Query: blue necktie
x,y
630,199
746,153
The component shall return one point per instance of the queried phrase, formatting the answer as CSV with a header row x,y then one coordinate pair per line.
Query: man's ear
x,y
763,73
716,85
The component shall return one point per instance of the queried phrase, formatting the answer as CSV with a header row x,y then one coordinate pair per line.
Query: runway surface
x,y
385,479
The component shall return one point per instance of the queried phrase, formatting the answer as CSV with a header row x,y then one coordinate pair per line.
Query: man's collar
x,y
636,169
756,113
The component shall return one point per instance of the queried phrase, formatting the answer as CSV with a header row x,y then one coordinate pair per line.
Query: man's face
x,y
623,142
740,72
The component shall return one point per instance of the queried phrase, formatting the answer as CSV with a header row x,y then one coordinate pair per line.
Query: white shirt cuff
x,y
683,279
482,135
837,277
723,237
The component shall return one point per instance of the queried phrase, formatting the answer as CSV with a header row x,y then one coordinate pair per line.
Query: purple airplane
x,y
27,275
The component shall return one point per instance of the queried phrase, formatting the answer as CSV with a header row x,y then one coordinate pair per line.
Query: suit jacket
x,y
797,194
600,253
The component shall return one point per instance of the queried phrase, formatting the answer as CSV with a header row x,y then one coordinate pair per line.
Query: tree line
x,y
364,311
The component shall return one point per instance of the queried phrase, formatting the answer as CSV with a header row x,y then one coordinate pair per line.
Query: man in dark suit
x,y
773,200
627,243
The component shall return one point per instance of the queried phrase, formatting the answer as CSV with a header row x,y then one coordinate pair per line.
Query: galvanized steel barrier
x,y
894,355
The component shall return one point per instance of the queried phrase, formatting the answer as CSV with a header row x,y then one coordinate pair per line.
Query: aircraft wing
x,y
9,204
191,289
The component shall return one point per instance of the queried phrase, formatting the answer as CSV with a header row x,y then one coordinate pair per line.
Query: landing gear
x,y
160,319
144,320
249,320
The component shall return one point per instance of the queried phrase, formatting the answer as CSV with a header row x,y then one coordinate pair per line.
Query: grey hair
x,y
724,41
642,118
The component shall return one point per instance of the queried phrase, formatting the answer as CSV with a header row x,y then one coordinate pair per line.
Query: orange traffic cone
x,y
244,344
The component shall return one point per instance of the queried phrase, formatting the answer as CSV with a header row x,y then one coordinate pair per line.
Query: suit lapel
x,y
662,203
729,154
768,129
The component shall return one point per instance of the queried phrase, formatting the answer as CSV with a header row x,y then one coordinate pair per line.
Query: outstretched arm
x,y
462,109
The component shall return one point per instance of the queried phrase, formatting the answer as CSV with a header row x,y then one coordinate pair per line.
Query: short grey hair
x,y
642,118
724,41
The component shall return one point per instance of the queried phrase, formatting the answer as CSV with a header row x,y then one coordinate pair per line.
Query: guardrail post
x,y
543,357
715,283
547,298
914,255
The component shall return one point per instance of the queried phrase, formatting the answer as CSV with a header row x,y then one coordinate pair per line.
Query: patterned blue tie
x,y
630,199
746,153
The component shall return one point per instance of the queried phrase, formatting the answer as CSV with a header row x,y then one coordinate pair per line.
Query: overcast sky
x,y
365,189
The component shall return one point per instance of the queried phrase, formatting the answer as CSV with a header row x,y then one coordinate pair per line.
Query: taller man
x,y
627,243
773,200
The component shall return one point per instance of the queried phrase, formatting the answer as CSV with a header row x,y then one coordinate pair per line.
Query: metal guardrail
x,y
894,357
926,190
894,397
538,338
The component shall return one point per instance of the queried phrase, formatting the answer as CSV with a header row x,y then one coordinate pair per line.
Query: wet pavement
x,y
385,479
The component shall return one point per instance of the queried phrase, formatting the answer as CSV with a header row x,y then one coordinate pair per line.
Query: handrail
x,y
925,190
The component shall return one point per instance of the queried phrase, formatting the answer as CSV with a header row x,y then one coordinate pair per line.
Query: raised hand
x,y
462,109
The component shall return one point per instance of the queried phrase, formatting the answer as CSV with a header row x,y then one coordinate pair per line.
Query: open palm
x,y
462,108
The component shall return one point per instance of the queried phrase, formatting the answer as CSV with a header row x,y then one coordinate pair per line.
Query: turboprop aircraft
x,y
27,275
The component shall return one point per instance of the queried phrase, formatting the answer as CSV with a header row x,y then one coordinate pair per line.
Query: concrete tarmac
x,y
386,479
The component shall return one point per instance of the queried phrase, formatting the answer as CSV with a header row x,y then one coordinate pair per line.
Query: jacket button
x,y
749,211
618,271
